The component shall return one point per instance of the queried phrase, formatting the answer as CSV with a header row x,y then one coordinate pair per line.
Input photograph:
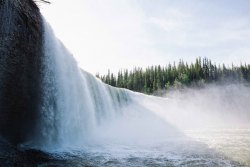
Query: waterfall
x,y
77,110
73,101
48,103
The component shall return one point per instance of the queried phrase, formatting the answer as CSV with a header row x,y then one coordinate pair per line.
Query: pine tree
x,y
154,78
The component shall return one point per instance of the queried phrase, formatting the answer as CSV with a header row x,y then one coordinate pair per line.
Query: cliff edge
x,y
21,38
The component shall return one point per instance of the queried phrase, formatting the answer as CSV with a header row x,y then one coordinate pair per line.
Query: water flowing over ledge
x,y
73,102
75,119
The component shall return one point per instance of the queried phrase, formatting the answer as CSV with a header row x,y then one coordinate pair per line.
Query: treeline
x,y
182,74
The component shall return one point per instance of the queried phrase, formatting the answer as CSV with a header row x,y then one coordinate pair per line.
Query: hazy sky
x,y
116,34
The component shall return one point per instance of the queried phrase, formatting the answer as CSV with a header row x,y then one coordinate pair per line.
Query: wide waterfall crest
x,y
73,102
79,112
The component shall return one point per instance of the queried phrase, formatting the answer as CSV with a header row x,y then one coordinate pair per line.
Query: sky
x,y
119,34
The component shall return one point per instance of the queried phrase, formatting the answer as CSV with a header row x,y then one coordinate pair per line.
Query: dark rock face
x,y
20,68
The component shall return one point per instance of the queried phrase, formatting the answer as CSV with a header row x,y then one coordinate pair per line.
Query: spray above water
x,y
218,106
77,108
74,102
79,112
75,113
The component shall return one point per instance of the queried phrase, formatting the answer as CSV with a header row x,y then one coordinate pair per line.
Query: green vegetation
x,y
162,78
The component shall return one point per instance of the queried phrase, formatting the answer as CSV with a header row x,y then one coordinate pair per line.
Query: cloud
x,y
173,20
114,34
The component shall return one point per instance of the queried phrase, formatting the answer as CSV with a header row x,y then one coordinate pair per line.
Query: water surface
x,y
207,147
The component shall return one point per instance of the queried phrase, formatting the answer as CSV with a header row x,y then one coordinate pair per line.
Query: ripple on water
x,y
203,148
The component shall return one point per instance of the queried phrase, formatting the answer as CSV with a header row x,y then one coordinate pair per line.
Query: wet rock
x,y
20,68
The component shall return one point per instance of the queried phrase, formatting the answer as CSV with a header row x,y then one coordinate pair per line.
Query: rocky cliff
x,y
20,68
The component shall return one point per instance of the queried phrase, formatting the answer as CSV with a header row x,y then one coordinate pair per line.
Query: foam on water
x,y
79,114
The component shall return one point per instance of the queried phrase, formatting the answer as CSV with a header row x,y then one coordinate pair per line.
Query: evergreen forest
x,y
154,78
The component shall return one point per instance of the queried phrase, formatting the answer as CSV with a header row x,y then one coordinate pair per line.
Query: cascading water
x,y
73,102
79,112
79,121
